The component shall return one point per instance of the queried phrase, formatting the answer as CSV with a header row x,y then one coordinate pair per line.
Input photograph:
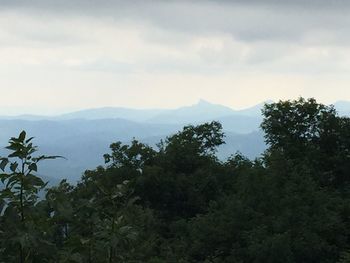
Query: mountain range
x,y
84,136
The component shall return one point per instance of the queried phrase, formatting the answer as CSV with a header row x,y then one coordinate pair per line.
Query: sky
x,y
57,56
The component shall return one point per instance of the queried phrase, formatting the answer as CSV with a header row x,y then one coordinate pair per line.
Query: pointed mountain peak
x,y
204,102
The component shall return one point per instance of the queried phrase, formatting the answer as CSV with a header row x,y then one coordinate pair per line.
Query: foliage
x,y
25,228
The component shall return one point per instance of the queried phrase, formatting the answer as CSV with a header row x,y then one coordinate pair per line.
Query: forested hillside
x,y
181,203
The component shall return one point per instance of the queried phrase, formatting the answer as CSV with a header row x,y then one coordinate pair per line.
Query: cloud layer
x,y
76,54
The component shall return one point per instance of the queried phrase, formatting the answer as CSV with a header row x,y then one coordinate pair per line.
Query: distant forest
x,y
181,203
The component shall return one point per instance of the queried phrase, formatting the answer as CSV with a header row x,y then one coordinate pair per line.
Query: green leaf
x,y
22,136
34,180
33,167
28,140
13,166
4,176
13,146
15,154
3,163
12,181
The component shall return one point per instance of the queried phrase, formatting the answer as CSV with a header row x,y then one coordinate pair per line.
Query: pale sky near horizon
x,y
57,56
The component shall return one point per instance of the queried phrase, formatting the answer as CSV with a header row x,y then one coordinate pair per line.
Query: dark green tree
x,y
310,134
24,236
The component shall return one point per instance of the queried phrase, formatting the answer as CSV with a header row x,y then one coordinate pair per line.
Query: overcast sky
x,y
62,55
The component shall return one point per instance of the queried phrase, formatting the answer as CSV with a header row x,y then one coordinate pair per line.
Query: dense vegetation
x,y
179,203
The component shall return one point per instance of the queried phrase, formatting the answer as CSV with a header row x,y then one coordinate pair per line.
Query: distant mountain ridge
x,y
194,113
197,112
201,111
111,113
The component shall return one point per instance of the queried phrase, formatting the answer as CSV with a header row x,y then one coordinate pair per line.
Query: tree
x,y
189,148
20,195
310,134
295,126
134,156
182,182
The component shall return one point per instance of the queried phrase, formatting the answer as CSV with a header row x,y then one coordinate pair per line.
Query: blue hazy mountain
x,y
112,113
83,142
199,112
84,136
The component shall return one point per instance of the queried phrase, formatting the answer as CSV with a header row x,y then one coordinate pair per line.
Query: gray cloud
x,y
318,21
235,52
107,4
